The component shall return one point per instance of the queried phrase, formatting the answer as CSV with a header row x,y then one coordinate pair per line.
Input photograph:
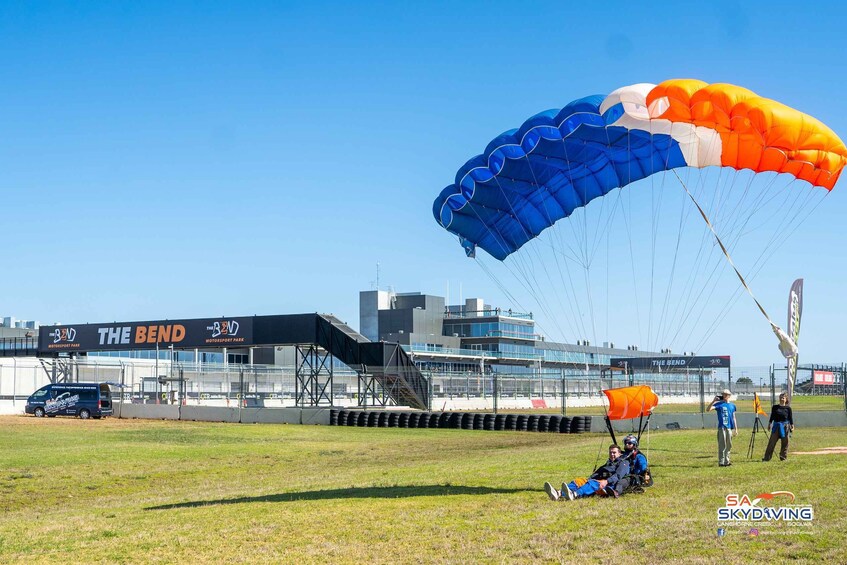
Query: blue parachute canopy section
x,y
557,161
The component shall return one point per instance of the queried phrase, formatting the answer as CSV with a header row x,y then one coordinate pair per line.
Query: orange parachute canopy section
x,y
756,133
630,402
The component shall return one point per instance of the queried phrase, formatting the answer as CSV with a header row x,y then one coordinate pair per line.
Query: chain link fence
x,y
818,387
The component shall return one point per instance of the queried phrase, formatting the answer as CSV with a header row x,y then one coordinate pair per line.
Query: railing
x,y
487,314
475,353
275,386
10,346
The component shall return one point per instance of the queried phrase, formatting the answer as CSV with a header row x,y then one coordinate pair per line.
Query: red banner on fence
x,y
823,378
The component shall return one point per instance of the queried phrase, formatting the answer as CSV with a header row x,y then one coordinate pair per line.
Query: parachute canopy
x,y
560,160
630,402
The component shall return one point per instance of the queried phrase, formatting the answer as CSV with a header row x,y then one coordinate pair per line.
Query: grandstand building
x,y
475,337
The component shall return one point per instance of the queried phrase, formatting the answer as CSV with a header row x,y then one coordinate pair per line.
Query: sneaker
x,y
568,492
602,492
612,492
551,492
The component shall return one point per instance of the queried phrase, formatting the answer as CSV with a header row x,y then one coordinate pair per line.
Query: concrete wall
x,y
315,416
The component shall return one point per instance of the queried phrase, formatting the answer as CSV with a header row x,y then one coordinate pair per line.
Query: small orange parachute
x,y
630,402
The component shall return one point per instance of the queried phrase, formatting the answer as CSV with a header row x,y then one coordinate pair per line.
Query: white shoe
x,y
568,492
551,492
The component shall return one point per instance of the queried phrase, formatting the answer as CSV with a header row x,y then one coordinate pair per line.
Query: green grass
x,y
153,491
745,405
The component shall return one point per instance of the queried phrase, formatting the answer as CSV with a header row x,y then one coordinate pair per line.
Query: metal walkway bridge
x,y
386,373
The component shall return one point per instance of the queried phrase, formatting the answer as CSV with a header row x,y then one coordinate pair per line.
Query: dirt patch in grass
x,y
824,451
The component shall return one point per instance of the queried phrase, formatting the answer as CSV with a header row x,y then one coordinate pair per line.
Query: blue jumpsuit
x,y
613,472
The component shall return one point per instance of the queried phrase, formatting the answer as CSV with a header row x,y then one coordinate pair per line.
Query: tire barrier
x,y
580,424
521,423
478,420
467,421
464,420
444,420
352,417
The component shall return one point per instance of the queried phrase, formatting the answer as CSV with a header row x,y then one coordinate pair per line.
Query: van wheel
x,y
39,412
84,414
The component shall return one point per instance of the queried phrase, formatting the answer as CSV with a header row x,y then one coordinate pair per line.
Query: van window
x,y
88,394
40,393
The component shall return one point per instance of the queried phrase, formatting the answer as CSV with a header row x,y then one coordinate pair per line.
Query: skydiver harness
x,y
637,482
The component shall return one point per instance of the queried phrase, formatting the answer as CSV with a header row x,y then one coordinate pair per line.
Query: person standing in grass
x,y
780,424
609,480
727,425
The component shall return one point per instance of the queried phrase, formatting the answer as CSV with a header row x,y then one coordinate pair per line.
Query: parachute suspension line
x,y
499,238
700,303
679,317
694,300
661,331
766,254
569,284
555,256
499,284
774,327
627,219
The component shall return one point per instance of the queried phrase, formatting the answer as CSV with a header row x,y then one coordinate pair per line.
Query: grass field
x,y
154,491
744,405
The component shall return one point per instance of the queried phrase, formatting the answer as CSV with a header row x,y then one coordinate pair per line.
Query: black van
x,y
85,400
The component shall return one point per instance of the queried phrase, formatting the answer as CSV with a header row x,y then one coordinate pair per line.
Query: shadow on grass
x,y
342,493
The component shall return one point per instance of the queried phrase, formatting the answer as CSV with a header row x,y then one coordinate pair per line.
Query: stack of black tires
x,y
461,420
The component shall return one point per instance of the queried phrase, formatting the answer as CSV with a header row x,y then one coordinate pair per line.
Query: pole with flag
x,y
757,424
795,310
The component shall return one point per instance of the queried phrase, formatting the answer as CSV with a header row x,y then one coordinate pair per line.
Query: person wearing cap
x,y
727,425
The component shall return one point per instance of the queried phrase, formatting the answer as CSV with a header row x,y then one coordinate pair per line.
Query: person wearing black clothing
x,y
609,480
780,424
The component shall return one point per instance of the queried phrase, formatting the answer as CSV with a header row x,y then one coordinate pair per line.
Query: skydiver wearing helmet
x,y
637,460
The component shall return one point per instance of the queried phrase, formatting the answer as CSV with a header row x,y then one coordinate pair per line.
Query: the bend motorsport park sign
x,y
182,334
665,363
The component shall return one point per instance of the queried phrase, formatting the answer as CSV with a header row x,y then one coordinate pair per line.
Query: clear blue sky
x,y
190,159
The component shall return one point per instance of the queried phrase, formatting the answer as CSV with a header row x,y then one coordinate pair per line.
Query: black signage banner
x,y
182,334
669,363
